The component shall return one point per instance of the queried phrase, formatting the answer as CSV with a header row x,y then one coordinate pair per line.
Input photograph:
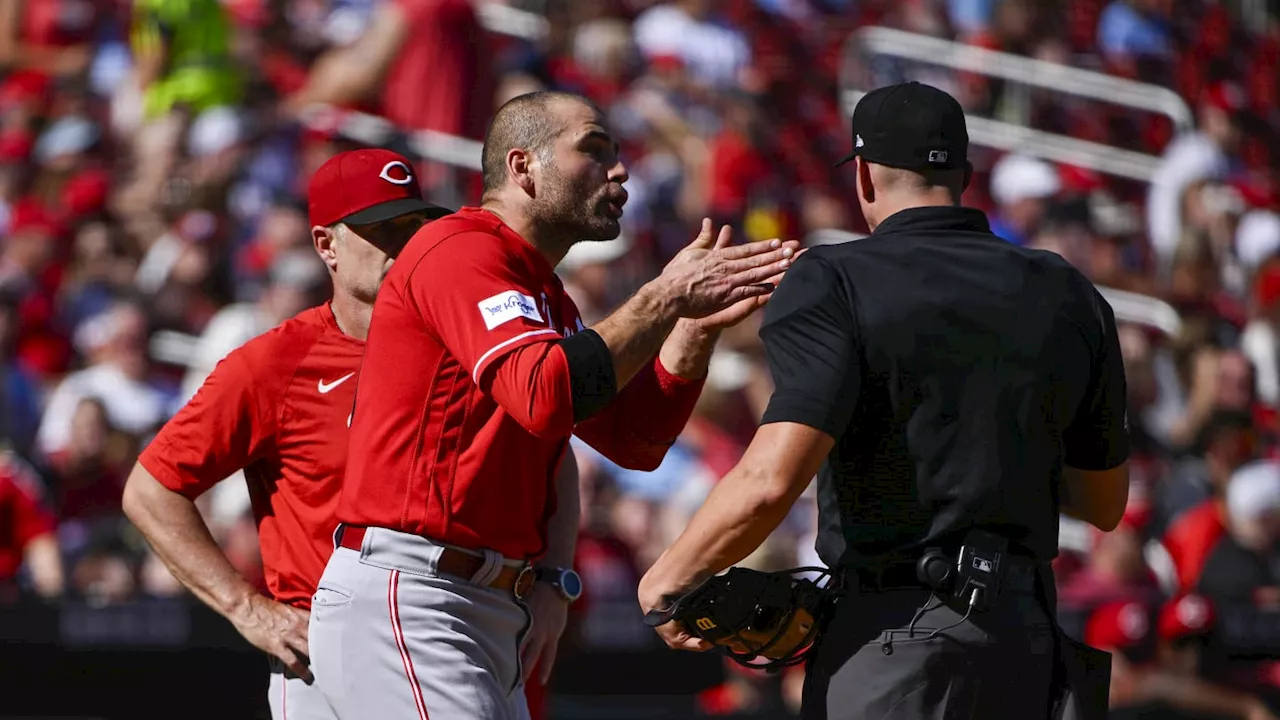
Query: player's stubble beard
x,y
576,212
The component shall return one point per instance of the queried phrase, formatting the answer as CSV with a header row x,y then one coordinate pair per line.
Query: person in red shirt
x,y
478,368
278,407
27,531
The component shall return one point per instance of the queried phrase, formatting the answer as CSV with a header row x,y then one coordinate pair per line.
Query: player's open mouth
x,y
615,209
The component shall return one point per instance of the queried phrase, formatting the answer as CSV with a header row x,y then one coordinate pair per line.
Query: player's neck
x,y
352,315
546,241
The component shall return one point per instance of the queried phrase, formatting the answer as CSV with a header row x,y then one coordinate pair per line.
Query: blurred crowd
x,y
154,156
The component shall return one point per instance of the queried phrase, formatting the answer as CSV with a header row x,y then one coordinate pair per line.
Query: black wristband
x,y
591,374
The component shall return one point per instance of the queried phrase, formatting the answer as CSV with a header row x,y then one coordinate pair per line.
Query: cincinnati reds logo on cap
x,y
386,173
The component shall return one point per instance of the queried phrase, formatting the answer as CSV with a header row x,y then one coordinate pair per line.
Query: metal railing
x,y
506,20
1028,73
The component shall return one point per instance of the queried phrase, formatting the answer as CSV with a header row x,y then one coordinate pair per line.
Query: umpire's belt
x,y
1020,576
516,580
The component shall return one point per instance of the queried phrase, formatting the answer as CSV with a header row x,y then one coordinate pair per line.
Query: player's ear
x,y
323,240
520,168
866,187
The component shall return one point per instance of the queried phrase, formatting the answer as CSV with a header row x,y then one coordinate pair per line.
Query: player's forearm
x,y
562,530
641,424
173,526
635,331
738,515
44,562
687,350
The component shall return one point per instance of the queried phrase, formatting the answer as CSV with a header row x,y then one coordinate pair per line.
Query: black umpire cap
x,y
910,126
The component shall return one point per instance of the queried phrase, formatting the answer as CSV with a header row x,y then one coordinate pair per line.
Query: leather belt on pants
x,y
1020,576
517,580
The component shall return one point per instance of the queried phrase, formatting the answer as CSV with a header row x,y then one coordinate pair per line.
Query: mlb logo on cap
x,y
366,186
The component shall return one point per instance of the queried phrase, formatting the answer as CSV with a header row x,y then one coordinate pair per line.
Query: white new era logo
x,y
857,141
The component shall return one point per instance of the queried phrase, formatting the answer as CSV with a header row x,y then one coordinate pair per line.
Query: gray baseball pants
x,y
291,698
391,639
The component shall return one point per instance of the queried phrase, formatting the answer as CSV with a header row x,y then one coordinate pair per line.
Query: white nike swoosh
x,y
323,388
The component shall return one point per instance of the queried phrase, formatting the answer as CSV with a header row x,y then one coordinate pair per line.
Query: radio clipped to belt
x,y
975,577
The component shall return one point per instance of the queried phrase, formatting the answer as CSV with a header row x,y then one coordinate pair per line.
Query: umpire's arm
x,y
810,340
1095,479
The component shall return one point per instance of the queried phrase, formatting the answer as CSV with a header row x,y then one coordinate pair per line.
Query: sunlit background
x,y
153,163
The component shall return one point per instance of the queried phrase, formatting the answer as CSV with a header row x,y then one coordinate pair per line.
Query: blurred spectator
x,y
1191,504
1130,29
183,67
1141,687
115,343
1022,187
1244,565
1115,571
27,530
1201,154
89,472
20,396
1260,340
50,37
690,31
404,42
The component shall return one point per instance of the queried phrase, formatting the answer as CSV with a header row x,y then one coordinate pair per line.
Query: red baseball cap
x,y
366,186
1185,616
1120,625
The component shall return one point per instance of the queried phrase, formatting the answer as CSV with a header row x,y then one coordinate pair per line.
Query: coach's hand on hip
x,y
711,274
277,629
549,612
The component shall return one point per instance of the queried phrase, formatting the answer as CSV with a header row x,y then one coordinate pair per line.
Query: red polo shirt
x,y
464,406
276,407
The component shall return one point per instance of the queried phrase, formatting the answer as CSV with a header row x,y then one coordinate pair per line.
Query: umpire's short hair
x,y
522,122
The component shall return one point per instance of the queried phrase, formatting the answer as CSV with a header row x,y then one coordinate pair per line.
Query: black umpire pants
x,y
871,664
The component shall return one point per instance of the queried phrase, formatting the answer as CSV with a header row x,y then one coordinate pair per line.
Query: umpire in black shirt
x,y
954,394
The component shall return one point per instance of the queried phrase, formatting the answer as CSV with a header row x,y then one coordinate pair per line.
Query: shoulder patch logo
x,y
507,306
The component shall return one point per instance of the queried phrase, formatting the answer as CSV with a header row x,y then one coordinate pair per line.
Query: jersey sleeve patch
x,y
507,306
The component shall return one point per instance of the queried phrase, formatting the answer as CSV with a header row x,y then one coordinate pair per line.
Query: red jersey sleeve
x,y
229,423
644,420
22,490
480,303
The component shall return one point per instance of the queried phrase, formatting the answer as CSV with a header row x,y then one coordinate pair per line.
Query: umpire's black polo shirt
x,y
957,373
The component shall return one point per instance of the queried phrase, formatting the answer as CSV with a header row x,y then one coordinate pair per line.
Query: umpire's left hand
x,y
549,611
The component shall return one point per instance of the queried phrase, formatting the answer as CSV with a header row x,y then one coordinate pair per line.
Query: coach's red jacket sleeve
x,y
228,424
487,309
644,420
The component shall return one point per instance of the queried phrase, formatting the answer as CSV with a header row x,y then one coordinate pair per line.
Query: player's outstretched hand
x,y
550,612
277,629
712,274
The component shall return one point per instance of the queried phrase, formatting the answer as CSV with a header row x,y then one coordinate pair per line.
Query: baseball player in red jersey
x,y
278,407
452,578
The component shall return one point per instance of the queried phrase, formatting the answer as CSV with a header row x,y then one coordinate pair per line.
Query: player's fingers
x,y
725,238
703,240
738,294
756,275
696,644
295,664
546,662
746,250
780,257
529,656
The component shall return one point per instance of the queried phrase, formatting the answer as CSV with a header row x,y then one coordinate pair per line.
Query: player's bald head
x,y
529,122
